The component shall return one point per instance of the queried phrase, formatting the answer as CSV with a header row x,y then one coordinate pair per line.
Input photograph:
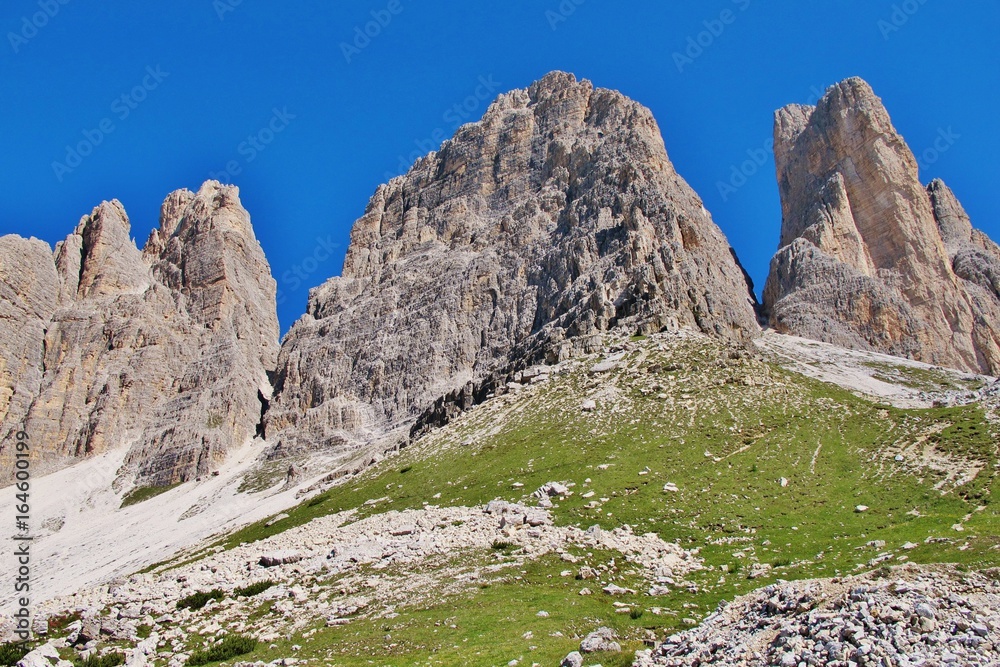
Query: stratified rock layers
x,y
868,257
555,217
165,349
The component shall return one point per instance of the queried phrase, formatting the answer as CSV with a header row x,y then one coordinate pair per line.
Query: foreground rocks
x,y
556,216
339,568
868,258
910,616
166,348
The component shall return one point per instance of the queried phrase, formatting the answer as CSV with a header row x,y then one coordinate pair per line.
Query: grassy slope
x,y
725,441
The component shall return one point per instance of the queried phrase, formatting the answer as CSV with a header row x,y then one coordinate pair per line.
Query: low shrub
x,y
230,647
253,589
106,660
200,599
11,652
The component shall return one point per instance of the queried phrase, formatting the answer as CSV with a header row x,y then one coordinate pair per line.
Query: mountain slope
x,y
412,557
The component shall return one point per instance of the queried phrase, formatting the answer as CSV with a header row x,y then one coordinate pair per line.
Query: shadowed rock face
x,y
555,217
868,257
163,349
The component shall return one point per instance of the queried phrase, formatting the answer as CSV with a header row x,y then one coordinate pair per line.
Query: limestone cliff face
x,y
29,293
868,257
164,350
555,217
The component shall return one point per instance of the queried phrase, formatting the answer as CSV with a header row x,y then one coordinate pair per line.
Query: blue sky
x,y
267,96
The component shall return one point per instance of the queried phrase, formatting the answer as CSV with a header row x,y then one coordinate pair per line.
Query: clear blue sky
x,y
201,77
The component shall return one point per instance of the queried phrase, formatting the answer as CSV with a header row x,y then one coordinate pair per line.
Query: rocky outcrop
x,y
920,615
165,350
555,217
868,257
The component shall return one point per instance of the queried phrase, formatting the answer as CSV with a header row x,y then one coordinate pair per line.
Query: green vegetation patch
x,y
926,379
757,470
200,599
60,622
253,589
12,652
230,647
111,659
141,493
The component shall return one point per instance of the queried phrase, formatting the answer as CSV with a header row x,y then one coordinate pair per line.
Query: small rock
x,y
615,589
281,557
573,659
601,639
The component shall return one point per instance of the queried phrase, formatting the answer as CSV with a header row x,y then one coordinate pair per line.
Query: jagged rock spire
x,y
868,257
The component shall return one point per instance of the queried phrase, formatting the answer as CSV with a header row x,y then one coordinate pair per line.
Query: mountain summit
x,y
555,217
868,257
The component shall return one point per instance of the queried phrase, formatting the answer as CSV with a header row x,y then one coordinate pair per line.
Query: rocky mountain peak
x,y
554,218
109,262
864,259
163,350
